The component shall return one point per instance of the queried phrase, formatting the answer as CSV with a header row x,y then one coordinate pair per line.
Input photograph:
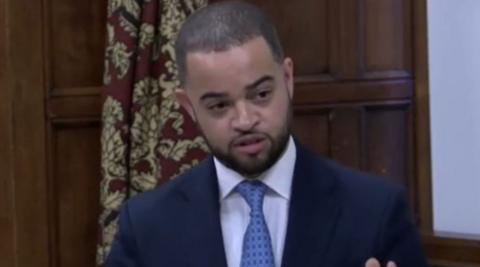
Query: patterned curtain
x,y
146,138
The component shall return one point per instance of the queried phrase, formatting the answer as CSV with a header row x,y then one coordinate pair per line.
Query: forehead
x,y
235,67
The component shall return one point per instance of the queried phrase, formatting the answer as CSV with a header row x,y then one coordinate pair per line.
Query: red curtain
x,y
146,138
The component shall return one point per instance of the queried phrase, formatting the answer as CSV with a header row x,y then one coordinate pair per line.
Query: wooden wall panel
x,y
309,29
370,136
75,103
346,136
7,234
387,133
344,39
351,92
75,179
74,61
76,38
311,127
387,36
27,100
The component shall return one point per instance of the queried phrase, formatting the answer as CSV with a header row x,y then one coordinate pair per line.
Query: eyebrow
x,y
259,81
212,95
249,87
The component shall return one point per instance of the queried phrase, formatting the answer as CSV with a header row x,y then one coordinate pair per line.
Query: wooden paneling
x,y
387,133
453,252
368,136
344,39
76,36
309,29
423,172
71,103
311,127
75,156
6,151
315,92
347,143
27,100
387,36
75,49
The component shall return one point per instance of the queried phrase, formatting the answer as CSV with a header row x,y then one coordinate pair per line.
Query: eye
x,y
218,107
262,95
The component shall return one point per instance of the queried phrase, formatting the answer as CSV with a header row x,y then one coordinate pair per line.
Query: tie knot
x,y
253,192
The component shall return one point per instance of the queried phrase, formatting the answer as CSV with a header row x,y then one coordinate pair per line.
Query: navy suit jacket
x,y
337,218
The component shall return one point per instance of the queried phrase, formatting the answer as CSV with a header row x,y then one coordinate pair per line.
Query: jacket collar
x,y
312,216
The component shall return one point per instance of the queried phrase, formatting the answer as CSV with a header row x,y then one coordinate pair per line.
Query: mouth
x,y
250,145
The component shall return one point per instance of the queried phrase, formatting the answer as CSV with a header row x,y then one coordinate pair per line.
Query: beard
x,y
253,165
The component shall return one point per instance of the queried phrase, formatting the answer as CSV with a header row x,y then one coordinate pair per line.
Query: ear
x,y
288,75
184,101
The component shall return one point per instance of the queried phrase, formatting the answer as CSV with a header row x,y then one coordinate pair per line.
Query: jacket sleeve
x,y
399,238
124,252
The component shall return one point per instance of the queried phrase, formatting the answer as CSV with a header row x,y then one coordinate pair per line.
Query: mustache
x,y
248,136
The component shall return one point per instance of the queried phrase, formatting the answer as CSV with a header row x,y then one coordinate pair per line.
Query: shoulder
x,y
353,188
366,201
361,183
167,197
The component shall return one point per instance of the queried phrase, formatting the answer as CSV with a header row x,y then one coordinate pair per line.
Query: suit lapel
x,y
202,234
313,212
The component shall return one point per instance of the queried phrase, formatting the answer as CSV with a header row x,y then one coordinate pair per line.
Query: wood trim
x,y
352,91
301,79
54,221
26,66
422,115
74,106
52,200
460,236
77,91
77,122
453,250
321,108
7,204
441,263
387,74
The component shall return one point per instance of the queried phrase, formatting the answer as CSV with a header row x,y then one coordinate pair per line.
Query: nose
x,y
245,118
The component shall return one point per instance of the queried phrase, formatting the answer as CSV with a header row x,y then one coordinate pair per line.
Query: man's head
x,y
236,84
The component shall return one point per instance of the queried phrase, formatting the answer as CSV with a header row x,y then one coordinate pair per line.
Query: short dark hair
x,y
221,26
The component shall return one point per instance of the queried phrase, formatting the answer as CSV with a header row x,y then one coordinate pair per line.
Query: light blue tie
x,y
257,246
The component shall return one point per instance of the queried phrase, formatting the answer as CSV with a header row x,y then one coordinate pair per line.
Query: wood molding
x,y
422,117
26,82
352,91
320,107
76,91
70,168
387,74
72,106
7,204
451,250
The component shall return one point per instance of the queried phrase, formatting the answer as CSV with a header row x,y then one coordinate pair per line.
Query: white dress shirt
x,y
234,210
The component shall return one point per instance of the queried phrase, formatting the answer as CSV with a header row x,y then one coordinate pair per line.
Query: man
x,y
261,199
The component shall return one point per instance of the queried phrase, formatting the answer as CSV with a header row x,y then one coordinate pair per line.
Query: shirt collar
x,y
278,178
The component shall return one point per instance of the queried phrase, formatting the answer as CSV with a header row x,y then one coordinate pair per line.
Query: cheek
x,y
215,130
276,114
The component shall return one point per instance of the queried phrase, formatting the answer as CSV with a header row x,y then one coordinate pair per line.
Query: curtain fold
x,y
146,138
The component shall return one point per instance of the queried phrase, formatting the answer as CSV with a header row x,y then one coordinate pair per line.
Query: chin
x,y
254,166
